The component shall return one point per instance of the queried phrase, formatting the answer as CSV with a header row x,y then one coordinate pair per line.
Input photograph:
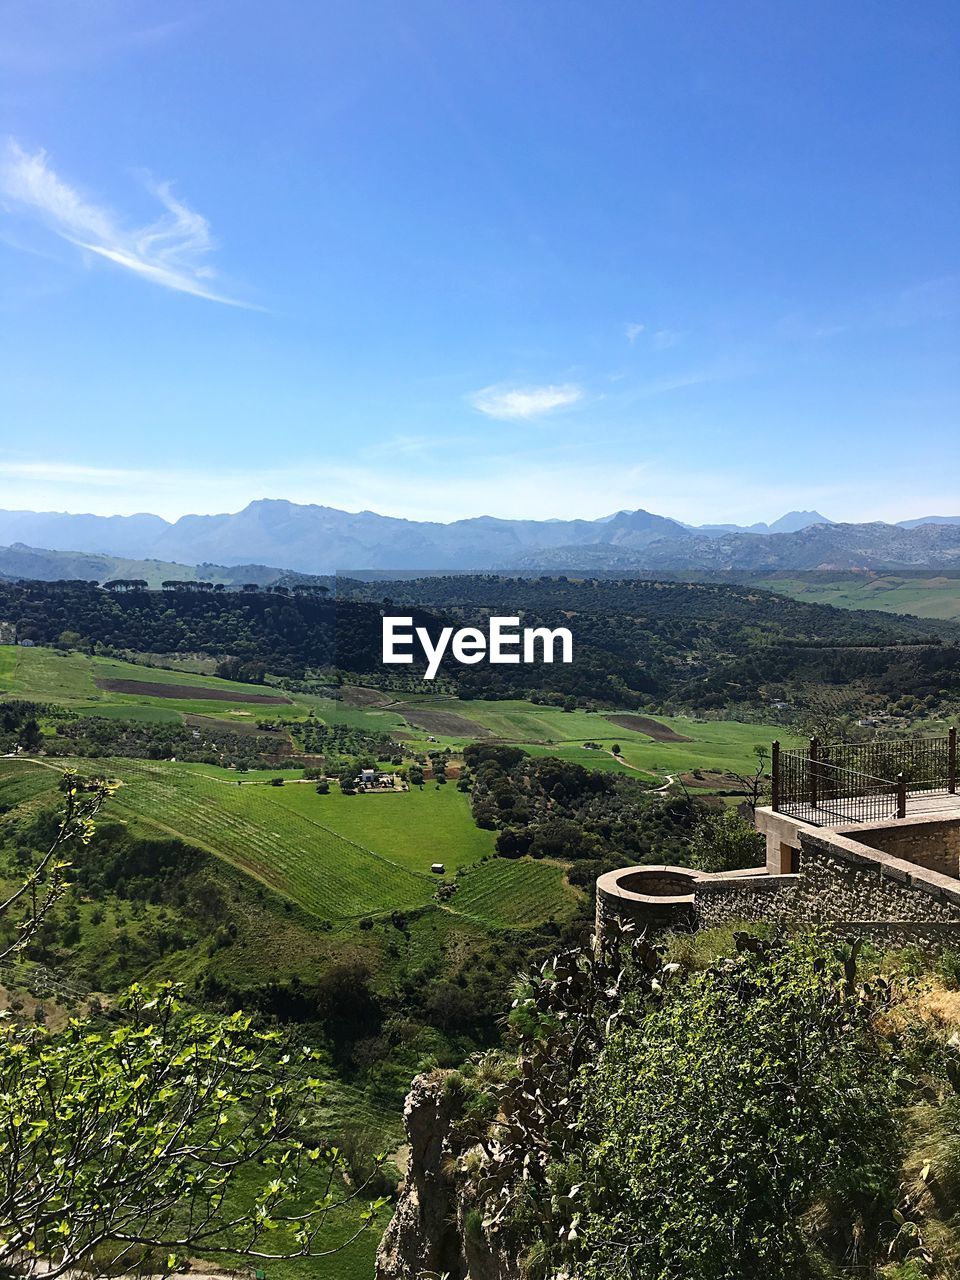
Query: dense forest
x,y
702,646
552,808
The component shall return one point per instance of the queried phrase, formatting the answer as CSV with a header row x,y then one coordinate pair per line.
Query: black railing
x,y
861,782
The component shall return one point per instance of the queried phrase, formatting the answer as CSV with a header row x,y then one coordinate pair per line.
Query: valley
x,y
241,854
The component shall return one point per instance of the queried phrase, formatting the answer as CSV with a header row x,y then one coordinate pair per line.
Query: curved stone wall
x,y
665,897
647,897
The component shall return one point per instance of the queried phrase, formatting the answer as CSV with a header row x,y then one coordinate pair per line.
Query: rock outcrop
x,y
436,1231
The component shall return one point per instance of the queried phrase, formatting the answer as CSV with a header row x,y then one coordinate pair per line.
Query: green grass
x,y
69,679
340,857
721,745
253,828
8,662
21,781
599,760
513,720
512,894
926,597
413,828
47,675
148,713
372,719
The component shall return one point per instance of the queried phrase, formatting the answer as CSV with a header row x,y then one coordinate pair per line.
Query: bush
x,y
726,842
756,1090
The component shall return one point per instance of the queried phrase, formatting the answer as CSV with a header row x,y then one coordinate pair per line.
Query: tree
x,y
754,784
726,842
347,777
30,738
25,909
127,1139
756,1090
123,1144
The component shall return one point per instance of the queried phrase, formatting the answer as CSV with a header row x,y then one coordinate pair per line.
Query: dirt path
x,y
671,777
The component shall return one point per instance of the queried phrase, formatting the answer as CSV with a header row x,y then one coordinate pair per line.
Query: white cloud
x,y
169,251
525,403
633,332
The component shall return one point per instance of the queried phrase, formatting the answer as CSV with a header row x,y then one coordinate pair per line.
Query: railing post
x,y
775,774
952,761
812,772
901,796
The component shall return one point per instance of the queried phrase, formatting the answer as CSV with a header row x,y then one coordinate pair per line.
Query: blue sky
x,y
439,258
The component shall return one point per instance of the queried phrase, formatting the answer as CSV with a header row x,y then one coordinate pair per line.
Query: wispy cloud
x,y
664,339
925,302
633,332
525,403
171,251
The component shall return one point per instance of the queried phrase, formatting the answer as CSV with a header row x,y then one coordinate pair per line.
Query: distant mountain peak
x,y
795,520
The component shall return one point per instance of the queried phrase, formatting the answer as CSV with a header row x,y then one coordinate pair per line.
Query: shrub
x,y
726,842
756,1090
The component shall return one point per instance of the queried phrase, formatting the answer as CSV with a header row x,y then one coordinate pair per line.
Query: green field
x,y
340,857
70,680
714,745
935,596
514,895
47,675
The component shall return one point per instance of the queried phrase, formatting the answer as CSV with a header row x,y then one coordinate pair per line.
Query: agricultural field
x,y
340,857
654,746
345,858
513,895
89,685
102,687
933,596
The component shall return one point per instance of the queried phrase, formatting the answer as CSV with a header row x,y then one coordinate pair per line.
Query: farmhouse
x,y
374,780
862,838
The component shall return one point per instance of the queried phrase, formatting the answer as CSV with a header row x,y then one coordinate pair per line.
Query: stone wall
x,y
933,843
665,902
720,900
844,880
843,883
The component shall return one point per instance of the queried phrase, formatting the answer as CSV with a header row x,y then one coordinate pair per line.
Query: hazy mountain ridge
x,y
312,539
42,565
834,546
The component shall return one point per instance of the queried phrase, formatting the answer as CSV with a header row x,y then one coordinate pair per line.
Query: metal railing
x,y
861,782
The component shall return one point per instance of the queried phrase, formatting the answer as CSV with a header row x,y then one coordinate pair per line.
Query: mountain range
x,y
312,539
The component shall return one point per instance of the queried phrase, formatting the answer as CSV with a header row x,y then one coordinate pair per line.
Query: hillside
x,y
637,643
821,546
43,565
